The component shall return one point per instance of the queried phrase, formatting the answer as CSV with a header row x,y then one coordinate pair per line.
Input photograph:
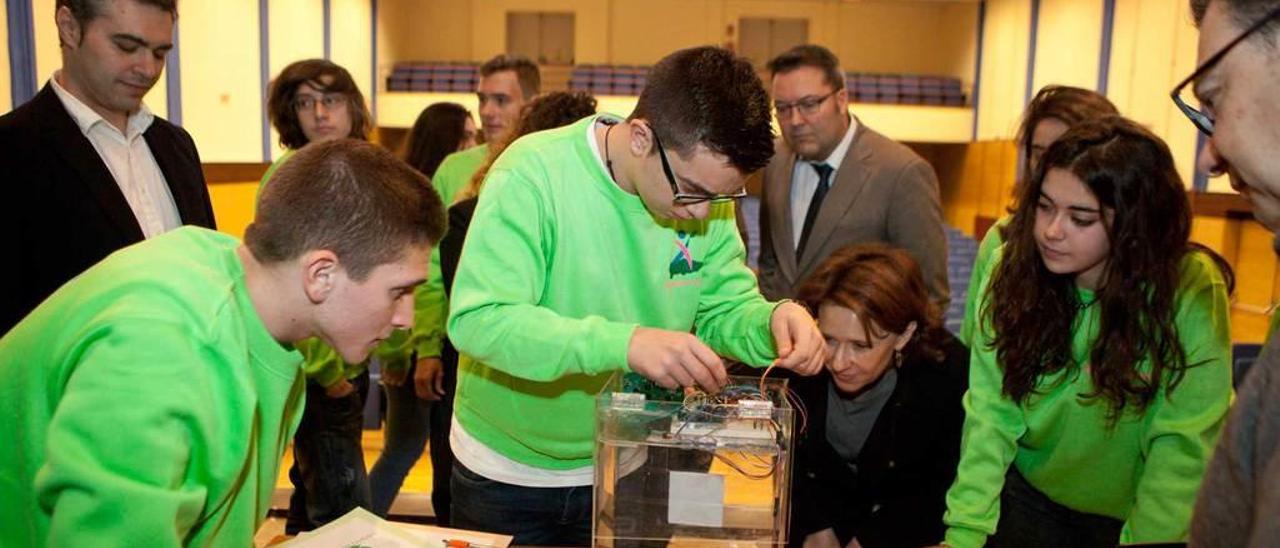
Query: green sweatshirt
x,y
560,266
1144,471
457,169
145,404
431,304
990,242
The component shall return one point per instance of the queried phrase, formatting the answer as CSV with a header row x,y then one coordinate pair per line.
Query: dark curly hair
x,y
1032,311
284,88
708,96
547,111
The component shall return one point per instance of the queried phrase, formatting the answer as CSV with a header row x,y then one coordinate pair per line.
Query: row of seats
x,y
907,89
434,77
962,251
609,79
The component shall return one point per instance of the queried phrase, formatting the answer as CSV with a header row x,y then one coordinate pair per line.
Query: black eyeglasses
x,y
808,106
683,198
303,103
1203,121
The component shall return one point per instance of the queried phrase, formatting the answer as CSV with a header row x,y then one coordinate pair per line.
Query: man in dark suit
x,y
89,169
834,182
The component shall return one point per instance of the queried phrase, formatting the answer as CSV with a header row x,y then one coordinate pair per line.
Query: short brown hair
x,y
882,285
809,55
707,95
527,72
85,11
313,72
350,197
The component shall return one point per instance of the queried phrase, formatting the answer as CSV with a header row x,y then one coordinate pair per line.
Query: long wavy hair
x,y
1033,311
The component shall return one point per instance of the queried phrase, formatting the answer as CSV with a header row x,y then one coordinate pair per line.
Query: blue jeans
x,y
406,436
558,516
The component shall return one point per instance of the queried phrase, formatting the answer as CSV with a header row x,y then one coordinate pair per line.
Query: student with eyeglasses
x,y
1235,84
833,182
600,248
316,101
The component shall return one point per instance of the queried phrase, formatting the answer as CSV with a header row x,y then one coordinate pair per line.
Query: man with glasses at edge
x,y
599,248
834,182
1236,86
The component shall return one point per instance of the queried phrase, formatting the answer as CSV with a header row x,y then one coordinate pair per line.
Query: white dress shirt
x,y
804,180
129,160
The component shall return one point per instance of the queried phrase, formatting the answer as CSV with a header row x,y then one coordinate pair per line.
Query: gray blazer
x,y
883,192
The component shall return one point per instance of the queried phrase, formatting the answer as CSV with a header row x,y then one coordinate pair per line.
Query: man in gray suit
x,y
834,182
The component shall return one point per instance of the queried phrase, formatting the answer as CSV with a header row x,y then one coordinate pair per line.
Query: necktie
x,y
824,183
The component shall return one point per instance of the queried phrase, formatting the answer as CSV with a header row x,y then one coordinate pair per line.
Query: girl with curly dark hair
x,y
1101,370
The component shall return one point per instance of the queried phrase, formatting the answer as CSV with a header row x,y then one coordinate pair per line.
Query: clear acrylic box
x,y
692,469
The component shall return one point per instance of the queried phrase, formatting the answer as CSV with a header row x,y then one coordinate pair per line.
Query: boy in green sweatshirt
x,y
595,249
148,402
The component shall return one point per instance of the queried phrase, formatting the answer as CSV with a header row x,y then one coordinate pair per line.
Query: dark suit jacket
x,y
882,192
62,211
908,462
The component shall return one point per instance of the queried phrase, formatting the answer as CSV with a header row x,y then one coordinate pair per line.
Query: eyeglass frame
x,y
1202,121
684,198
329,100
778,108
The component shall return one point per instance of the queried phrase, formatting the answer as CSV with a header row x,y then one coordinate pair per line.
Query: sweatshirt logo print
x,y
683,264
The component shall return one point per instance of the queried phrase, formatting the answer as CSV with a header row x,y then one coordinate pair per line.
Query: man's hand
x,y
394,377
674,359
428,379
801,346
340,389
